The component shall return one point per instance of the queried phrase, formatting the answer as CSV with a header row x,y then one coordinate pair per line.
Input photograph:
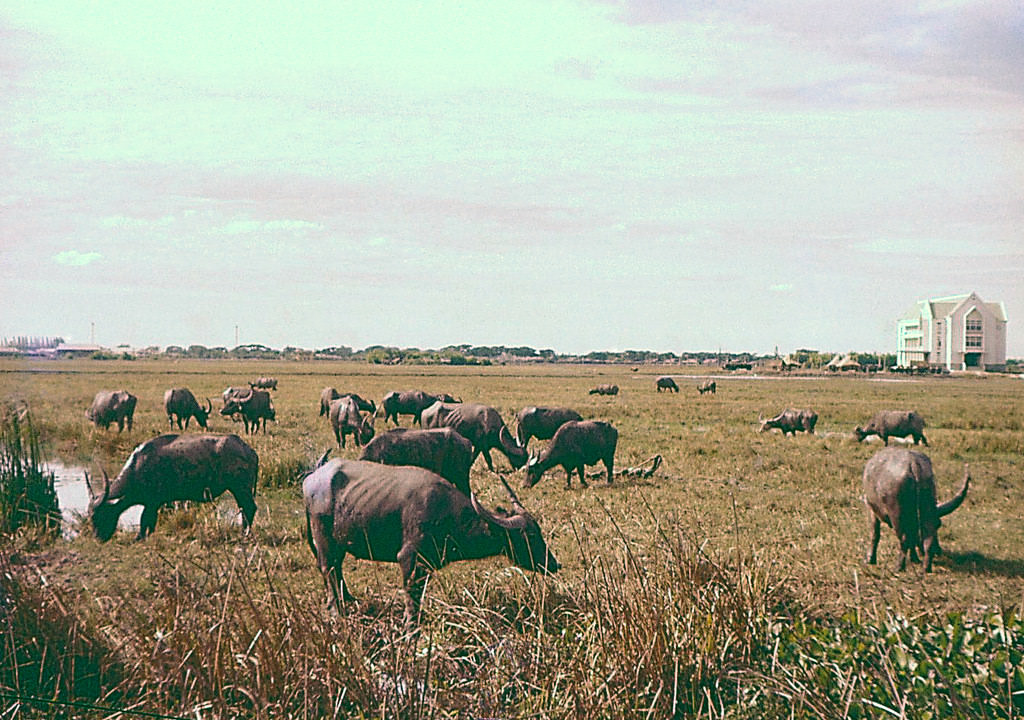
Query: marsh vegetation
x,y
730,584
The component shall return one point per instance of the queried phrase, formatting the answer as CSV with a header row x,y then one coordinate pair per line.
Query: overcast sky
x,y
568,175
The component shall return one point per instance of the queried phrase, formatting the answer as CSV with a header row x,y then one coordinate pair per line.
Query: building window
x,y
973,341
973,326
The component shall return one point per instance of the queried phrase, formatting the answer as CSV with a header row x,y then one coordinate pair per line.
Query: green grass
x,y
730,584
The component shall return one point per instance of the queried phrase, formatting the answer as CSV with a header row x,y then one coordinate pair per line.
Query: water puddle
x,y
73,497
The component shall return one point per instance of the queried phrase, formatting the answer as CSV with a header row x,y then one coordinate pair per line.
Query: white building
x,y
957,332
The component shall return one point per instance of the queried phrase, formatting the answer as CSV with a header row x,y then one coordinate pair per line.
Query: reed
x,y
27,495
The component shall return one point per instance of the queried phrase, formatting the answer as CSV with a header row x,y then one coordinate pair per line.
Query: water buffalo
x,y
707,386
112,406
666,383
481,425
170,468
328,394
576,444
541,422
181,405
264,383
254,406
347,420
791,421
410,516
604,390
894,423
899,490
440,450
408,402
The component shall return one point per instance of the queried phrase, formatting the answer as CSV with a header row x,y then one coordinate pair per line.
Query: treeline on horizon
x,y
467,354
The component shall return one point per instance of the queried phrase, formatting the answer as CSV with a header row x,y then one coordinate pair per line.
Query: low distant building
x,y
72,351
959,332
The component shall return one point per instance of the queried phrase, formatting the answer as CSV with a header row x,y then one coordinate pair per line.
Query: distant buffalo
x,y
112,406
254,406
264,383
328,394
410,402
482,425
541,422
605,389
181,405
576,444
791,421
894,423
666,383
440,450
707,386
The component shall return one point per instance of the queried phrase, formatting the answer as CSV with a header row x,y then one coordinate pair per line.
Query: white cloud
x,y
782,287
75,258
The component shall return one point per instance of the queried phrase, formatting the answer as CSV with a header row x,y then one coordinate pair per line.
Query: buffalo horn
x,y
106,487
518,506
516,522
209,406
953,503
323,458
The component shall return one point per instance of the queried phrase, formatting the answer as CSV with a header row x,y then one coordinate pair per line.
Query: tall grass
x,y
27,494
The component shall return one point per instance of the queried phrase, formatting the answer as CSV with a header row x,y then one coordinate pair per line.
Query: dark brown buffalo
x,y
707,386
575,445
347,420
410,516
899,490
112,406
264,383
408,402
605,389
791,421
171,468
181,405
253,406
328,394
894,423
666,383
481,425
541,422
440,450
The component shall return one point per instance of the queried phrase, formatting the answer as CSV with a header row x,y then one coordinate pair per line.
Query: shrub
x,y
27,494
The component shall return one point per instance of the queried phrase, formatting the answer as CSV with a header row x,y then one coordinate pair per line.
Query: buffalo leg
x,y
609,463
581,470
487,458
874,533
414,580
329,558
930,544
147,523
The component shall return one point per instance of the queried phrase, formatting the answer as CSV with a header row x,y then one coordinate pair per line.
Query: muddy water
x,y
73,498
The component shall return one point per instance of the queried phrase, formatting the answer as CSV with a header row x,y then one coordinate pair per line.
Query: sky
x,y
591,175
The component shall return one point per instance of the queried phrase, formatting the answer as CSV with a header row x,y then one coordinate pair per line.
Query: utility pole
x,y
236,336
92,333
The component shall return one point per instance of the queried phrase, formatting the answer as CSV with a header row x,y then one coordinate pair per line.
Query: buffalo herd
x,y
408,499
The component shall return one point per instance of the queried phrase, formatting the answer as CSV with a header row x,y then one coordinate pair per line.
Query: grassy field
x,y
729,584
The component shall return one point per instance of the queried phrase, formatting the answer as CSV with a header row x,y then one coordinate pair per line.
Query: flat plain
x,y
779,521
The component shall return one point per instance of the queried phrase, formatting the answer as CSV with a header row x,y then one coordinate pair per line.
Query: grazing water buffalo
x,y
440,450
264,383
181,404
604,390
707,386
112,406
791,421
170,468
481,425
666,383
899,490
328,394
346,420
894,423
408,402
254,406
576,444
410,516
541,422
